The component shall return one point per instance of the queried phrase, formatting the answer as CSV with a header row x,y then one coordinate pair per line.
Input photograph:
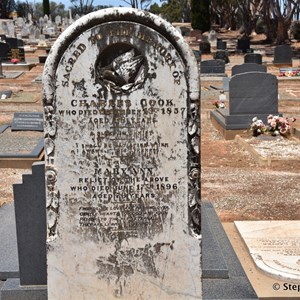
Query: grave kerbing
x,y
98,246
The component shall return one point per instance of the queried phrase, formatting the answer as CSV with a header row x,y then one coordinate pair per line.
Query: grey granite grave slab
x,y
252,94
213,262
35,153
248,67
9,266
237,285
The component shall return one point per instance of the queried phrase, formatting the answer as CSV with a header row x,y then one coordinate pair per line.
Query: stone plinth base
x,y
231,125
12,290
17,67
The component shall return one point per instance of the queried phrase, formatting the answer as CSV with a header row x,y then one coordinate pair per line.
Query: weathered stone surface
x,y
274,246
121,96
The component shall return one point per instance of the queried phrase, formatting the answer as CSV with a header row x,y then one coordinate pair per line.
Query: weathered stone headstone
x,y
4,50
122,166
212,67
28,121
254,58
204,47
222,55
247,67
283,54
212,38
221,45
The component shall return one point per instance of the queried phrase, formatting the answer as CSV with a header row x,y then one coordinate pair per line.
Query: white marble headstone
x,y
274,246
121,96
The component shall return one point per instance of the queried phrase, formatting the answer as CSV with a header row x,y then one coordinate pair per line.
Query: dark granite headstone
x,y
223,55
27,121
212,67
243,45
283,54
221,45
3,38
252,94
248,67
14,43
17,53
4,50
255,58
29,200
30,221
204,47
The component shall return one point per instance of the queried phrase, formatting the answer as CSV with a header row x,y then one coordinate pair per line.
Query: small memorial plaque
x,y
121,100
5,94
27,121
274,246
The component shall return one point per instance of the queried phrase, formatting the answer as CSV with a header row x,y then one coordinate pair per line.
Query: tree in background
x,y
46,7
200,14
140,4
6,7
82,7
224,13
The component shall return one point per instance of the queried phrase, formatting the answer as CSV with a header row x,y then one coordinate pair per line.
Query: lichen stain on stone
x,y
118,267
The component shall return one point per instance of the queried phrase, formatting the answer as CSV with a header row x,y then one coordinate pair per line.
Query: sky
x,y
67,3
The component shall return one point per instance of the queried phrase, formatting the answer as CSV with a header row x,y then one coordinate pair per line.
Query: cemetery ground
x,y
232,179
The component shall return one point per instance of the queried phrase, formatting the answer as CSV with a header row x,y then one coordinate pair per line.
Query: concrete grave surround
x,y
274,247
121,101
